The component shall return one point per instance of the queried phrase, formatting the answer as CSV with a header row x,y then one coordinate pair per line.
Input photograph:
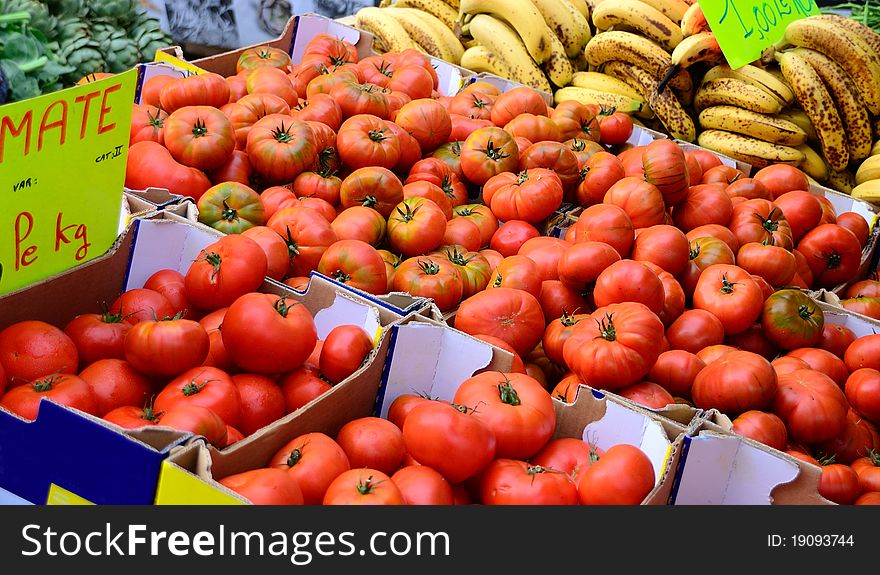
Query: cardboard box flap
x,y
860,325
157,197
147,71
346,311
181,480
721,469
642,136
80,454
432,360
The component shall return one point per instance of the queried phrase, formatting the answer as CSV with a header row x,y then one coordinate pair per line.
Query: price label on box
x,y
62,169
745,28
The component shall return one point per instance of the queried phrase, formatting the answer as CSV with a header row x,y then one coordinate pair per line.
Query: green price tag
x,y
62,169
745,28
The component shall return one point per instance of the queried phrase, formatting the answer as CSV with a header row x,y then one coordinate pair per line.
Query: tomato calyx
x,y
214,259
832,260
199,129
193,388
606,328
429,267
457,257
694,252
771,222
282,307
157,122
805,312
292,246
377,135
578,145
108,316
407,214
148,414
824,459
606,111
874,457
493,152
562,395
567,319
464,211
384,68
368,486
727,286
446,186
497,282
522,177
47,383
282,134
508,394
341,276
368,201
229,213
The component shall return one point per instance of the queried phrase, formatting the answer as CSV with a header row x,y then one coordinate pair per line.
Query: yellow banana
x,y
693,21
799,117
762,78
875,149
603,82
429,33
522,17
636,50
437,8
603,99
868,192
838,44
665,105
454,4
815,100
569,25
734,92
842,181
868,170
852,112
813,164
503,41
558,67
579,63
701,47
748,123
480,59
672,9
869,36
756,152
582,7
639,16
390,34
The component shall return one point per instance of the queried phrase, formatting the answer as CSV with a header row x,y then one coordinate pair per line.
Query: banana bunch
x,y
425,25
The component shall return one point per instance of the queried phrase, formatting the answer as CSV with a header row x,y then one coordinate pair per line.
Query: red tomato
x,y
402,406
694,330
857,224
97,336
512,315
450,439
601,171
200,137
416,226
265,487
648,394
763,427
836,339
509,238
226,269
372,187
344,351
781,178
427,121
568,455
205,386
675,370
115,383
313,460
833,254
420,485
629,281
605,223
487,152
623,476
575,120
729,293
737,382
141,304
261,401
615,129
266,334
706,159
275,249
363,487
171,284
663,245
863,352
839,483
151,165
856,441
704,204
33,349
372,442
63,388
863,392
130,417
430,277
812,406
546,253
356,264
197,90
512,482
197,419
307,234
301,386
802,210
514,102
168,347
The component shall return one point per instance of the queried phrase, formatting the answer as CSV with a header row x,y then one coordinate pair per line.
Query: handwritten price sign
x,y
62,168
745,28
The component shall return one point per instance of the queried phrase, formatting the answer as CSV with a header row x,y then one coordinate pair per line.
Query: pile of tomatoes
x,y
158,355
491,445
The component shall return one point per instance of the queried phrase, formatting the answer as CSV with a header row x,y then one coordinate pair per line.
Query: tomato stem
x,y
199,129
341,276
282,134
47,383
606,328
377,135
229,214
429,267
727,285
494,153
215,260
193,388
295,457
282,307
507,393
498,280
368,486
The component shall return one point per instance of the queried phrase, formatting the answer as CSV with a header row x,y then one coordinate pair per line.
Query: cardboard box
x,y
719,467
416,353
296,36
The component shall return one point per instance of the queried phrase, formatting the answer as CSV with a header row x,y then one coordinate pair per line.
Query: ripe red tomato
x,y
98,336
802,210
575,120
131,417
666,168
836,338
629,281
641,200
313,461
581,264
763,427
197,419
267,334
824,361
372,442
546,253
839,483
601,171
301,386
355,263
694,330
228,268
623,476
863,392
812,406
706,159
363,487
615,129
200,137
307,235
373,187
704,204
731,295
115,383
487,152
863,352
568,455
63,388
265,486
737,382
33,349
205,386
141,304
280,148
792,320
857,224
647,394
168,347
781,178
675,370
421,485
197,90
344,351
416,226
512,315
427,121
509,238
261,401
512,482
554,156
431,277
833,254
450,439
663,245
530,196
605,223
858,439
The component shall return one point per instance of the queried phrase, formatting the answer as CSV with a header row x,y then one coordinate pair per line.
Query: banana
x,y
799,117
638,16
852,112
604,99
665,105
636,50
875,149
838,44
603,82
579,63
869,36
693,21
868,191
868,170
875,126
843,182
480,59
429,33
701,47
468,43
582,7
734,92
591,4
756,152
672,9
558,67
437,8
813,164
569,25
522,17
389,33
762,78
454,4
815,100
748,123
503,41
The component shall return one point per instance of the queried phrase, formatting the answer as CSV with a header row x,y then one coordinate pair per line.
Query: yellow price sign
x,y
177,62
62,169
